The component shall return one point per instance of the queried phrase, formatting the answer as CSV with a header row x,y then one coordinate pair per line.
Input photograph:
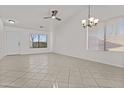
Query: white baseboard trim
x,y
94,60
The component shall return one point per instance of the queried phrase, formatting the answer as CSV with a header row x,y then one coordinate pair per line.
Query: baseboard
x,y
2,56
89,59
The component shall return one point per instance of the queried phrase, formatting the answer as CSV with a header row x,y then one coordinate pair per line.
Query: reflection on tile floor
x,y
57,71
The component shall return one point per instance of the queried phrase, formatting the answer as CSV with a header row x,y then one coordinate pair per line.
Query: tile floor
x,y
57,71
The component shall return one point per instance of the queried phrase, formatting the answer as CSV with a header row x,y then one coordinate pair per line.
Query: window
x,y
38,40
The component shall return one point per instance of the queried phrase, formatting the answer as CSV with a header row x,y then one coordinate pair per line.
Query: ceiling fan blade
x,y
58,19
54,12
46,17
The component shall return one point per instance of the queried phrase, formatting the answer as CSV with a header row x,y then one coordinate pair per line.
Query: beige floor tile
x,y
38,76
19,82
45,84
75,86
31,83
89,82
58,71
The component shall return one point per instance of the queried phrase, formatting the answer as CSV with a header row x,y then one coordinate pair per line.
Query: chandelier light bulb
x,y
91,19
96,21
84,23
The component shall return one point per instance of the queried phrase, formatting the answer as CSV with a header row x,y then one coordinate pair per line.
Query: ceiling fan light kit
x,y
53,16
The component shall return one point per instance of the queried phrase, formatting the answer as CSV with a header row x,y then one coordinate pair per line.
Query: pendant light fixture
x,y
91,21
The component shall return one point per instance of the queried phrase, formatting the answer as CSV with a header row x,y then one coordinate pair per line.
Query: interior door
x,y
13,45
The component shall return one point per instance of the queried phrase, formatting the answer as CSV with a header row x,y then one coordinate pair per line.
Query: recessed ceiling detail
x,y
11,21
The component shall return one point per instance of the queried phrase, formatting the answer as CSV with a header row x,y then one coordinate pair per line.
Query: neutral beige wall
x,y
1,39
23,38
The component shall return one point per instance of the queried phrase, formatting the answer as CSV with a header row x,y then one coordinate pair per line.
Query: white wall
x,y
23,37
1,39
70,40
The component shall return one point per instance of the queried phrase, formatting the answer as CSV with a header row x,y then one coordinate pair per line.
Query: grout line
x,y
41,80
80,75
94,78
69,78
7,86
18,78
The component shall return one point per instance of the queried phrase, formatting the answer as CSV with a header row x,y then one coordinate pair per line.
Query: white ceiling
x,y
31,16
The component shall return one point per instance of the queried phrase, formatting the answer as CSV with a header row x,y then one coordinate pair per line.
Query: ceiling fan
x,y
53,16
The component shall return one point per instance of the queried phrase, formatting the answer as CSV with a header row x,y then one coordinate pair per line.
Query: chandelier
x,y
91,21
